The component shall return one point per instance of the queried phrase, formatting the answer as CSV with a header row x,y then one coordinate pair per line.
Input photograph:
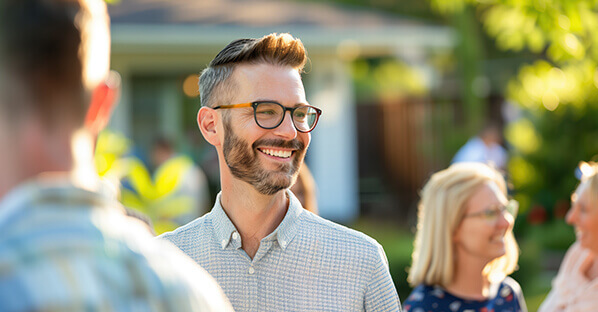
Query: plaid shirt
x,y
63,248
306,264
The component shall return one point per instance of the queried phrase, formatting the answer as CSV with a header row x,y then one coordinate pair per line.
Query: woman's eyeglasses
x,y
492,213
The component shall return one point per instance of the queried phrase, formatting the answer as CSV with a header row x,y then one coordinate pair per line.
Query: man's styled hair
x,y
275,49
441,209
46,57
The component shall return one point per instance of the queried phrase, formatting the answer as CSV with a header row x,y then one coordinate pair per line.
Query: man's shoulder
x,y
77,251
32,231
191,230
191,236
336,233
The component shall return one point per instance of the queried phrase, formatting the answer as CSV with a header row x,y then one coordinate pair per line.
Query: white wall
x,y
333,152
121,117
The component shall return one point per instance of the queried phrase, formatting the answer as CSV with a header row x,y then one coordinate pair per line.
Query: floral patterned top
x,y
425,298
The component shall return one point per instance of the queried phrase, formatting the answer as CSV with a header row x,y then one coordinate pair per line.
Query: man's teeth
x,y
277,153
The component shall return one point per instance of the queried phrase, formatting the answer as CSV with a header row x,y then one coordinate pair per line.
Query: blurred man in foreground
x,y
65,243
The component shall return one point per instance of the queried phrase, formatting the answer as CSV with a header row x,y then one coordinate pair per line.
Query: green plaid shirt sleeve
x,y
67,249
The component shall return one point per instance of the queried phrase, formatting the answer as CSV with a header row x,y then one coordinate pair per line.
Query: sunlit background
x,y
402,85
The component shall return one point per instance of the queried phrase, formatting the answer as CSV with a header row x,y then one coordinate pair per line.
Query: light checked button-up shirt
x,y
306,264
63,248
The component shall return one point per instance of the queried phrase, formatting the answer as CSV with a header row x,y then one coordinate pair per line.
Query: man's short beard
x,y
244,163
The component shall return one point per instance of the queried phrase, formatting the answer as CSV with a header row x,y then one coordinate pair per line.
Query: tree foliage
x,y
557,91
562,35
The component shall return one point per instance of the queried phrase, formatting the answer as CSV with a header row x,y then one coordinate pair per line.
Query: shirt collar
x,y
283,234
287,229
58,190
223,226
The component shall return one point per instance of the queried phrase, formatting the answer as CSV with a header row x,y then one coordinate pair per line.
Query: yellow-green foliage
x,y
156,197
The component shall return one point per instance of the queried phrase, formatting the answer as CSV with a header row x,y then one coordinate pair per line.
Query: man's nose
x,y
286,129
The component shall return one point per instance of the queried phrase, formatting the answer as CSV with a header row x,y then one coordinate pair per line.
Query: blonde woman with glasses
x,y
575,288
464,247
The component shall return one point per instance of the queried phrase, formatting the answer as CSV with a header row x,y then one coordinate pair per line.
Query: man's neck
x,y
254,215
71,158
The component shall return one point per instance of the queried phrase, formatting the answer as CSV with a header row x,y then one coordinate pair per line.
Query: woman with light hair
x,y
464,247
305,189
575,287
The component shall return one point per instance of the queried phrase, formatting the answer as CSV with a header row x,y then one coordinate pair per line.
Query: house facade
x,y
160,46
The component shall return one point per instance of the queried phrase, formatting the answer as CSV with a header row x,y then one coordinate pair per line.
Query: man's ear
x,y
103,102
207,120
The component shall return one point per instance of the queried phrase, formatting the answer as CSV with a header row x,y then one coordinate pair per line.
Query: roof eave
x,y
181,38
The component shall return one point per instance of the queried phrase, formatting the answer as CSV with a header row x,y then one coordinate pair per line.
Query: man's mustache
x,y
292,144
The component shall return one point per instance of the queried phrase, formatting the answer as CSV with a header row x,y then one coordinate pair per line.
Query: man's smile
x,y
280,153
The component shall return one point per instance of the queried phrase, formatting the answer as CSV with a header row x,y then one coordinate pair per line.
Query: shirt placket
x,y
254,270
252,277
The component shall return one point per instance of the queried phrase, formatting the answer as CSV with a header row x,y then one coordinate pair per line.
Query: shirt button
x,y
251,270
283,243
235,235
223,243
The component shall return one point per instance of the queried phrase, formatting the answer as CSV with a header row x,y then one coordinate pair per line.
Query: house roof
x,y
252,13
190,24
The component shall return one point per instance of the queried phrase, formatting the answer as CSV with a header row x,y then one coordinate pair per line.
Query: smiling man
x,y
265,250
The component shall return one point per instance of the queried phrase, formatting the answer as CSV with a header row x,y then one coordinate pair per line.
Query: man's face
x,y
268,159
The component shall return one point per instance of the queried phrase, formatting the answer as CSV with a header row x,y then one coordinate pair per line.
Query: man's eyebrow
x,y
264,100
274,101
302,104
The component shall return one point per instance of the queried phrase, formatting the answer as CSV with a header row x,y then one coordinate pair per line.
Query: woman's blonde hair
x,y
589,180
305,189
440,211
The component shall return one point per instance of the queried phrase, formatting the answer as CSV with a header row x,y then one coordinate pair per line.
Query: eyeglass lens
x,y
492,213
270,115
512,207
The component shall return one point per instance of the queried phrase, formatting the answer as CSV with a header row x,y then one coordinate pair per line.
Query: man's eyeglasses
x,y
492,213
269,115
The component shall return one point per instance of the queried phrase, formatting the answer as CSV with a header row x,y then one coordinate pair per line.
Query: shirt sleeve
x,y
194,289
381,294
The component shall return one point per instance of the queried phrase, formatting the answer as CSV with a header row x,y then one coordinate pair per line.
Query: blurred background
x,y
402,85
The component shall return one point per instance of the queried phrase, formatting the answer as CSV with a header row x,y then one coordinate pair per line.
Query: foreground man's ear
x,y
103,102
207,121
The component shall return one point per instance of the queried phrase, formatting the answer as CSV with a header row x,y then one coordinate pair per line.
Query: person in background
x,y
575,287
66,243
191,182
305,189
265,250
464,246
485,148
